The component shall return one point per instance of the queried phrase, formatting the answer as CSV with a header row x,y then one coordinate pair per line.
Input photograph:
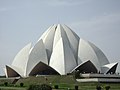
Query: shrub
x,y
31,87
46,87
56,86
76,87
98,87
6,83
76,74
107,87
39,87
21,84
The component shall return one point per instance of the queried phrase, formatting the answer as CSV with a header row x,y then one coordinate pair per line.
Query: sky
x,y
24,21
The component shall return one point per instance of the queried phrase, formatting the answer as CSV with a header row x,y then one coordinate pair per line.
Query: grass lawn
x,y
65,86
12,88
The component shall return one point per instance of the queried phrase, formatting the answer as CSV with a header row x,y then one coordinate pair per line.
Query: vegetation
x,y
55,82
98,87
40,87
107,87
6,83
56,86
76,87
21,84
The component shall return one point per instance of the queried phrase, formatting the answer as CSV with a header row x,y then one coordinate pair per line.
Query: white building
x,y
59,51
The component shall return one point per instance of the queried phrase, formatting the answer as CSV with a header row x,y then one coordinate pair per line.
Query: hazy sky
x,y
24,21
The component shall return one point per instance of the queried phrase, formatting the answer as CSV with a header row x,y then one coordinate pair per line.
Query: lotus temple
x,y
59,51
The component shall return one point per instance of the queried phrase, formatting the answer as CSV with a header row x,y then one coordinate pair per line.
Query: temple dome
x,y
59,51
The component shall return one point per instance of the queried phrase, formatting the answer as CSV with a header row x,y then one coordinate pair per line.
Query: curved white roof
x,y
100,55
85,67
37,54
11,71
21,59
59,51
106,68
73,40
48,38
63,61
88,51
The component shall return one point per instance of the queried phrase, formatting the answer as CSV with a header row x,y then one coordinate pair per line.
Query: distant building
x,y
59,51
